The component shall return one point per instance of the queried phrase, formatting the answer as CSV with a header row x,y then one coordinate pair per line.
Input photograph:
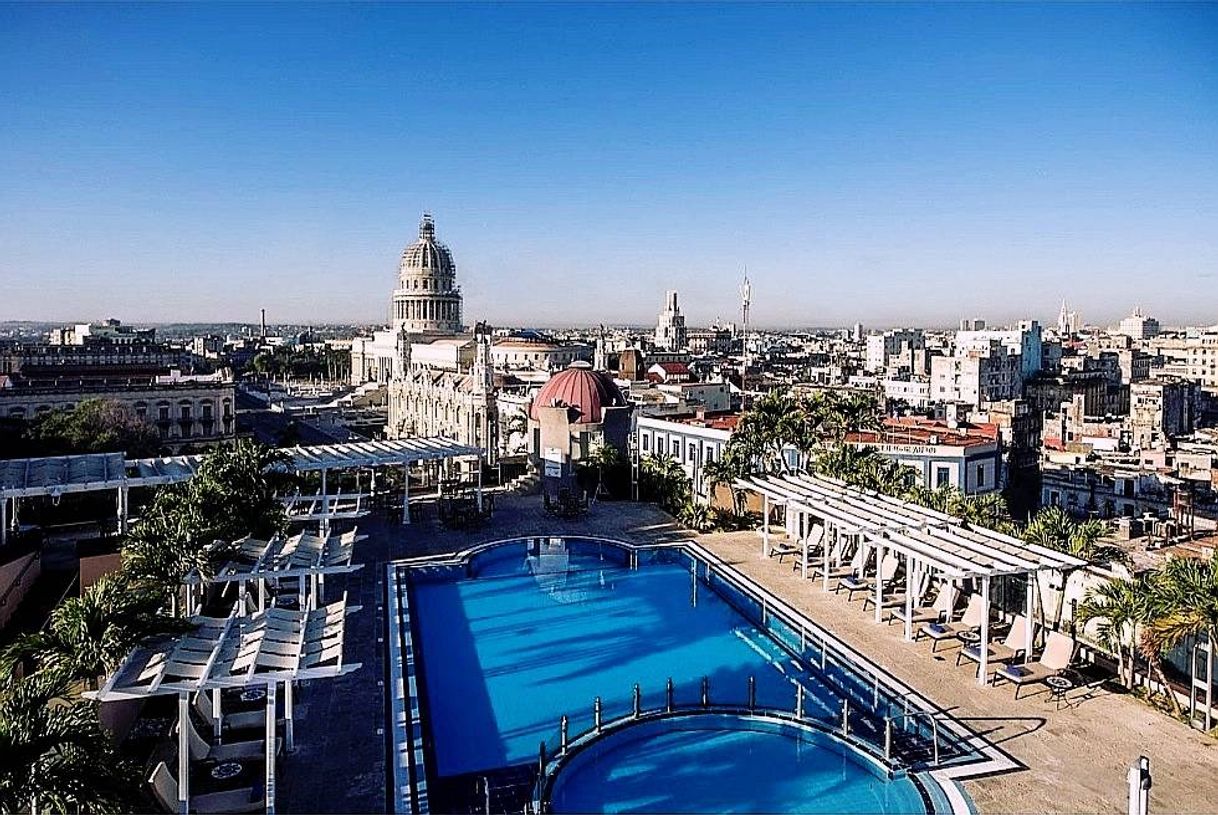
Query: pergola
x,y
927,540
305,557
272,647
57,476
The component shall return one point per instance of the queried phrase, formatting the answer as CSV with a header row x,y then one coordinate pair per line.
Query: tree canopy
x,y
93,426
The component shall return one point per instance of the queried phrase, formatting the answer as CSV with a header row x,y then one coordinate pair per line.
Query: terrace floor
x,y
1075,758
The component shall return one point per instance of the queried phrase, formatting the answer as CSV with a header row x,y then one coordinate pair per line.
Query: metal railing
x,y
858,726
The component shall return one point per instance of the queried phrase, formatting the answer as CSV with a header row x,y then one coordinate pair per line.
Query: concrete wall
x,y
13,592
95,567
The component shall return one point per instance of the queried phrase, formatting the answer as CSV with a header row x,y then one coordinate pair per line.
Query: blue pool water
x,y
789,770
528,634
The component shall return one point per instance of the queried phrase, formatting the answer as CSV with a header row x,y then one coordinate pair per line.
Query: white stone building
x,y
983,373
882,346
670,329
439,381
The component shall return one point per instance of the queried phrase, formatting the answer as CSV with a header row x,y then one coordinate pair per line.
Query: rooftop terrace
x,y
1074,759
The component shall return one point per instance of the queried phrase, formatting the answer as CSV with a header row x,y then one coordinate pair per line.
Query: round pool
x,y
726,763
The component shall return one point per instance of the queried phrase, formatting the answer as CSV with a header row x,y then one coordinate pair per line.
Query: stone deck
x,y
1073,759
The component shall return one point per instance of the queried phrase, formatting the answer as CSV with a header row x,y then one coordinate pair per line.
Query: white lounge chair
x,y
853,583
165,788
202,750
815,540
1013,646
974,613
1058,654
244,720
944,604
839,571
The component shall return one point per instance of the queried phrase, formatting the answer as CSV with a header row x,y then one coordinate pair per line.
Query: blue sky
x,y
886,163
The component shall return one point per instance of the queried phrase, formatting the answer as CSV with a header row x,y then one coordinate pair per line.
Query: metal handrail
x,y
932,715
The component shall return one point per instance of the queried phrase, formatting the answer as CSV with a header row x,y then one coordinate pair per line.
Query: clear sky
x,y
889,163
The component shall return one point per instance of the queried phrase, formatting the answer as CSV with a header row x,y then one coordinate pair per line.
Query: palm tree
x,y
1122,608
89,636
604,459
725,470
663,481
988,510
237,488
234,493
54,755
776,421
695,516
1054,529
1183,606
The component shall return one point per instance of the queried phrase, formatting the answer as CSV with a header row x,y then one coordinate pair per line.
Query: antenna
x,y
746,299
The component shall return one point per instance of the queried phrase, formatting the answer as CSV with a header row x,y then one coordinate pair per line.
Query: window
x,y
943,477
659,446
676,449
980,476
646,443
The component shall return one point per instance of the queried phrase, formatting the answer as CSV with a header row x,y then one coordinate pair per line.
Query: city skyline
x,y
894,165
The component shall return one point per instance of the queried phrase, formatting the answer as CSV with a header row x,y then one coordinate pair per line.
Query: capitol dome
x,y
427,254
582,388
427,299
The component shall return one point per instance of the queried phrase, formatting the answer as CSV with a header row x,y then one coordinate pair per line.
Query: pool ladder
x,y
905,718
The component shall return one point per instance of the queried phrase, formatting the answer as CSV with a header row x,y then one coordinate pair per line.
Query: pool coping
x,y
408,752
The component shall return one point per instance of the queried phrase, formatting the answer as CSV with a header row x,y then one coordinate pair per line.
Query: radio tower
x,y
746,297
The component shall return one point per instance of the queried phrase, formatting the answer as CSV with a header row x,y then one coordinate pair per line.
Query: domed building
x,y
437,380
575,412
427,299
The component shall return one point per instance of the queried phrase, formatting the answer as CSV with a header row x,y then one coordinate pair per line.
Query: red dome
x,y
582,388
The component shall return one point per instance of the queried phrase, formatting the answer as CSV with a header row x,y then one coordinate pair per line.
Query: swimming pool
x,y
695,753
504,651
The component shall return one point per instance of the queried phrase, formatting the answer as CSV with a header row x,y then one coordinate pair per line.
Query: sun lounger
x,y
945,602
1014,645
245,720
165,788
201,750
853,583
1059,653
839,571
815,538
971,621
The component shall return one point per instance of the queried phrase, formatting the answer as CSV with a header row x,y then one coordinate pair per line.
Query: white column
x,y
765,524
983,663
805,565
1029,601
323,526
217,715
478,461
3,520
270,747
405,495
825,556
439,477
183,752
909,563
879,583
289,734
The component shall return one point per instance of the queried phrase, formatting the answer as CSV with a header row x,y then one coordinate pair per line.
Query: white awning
x,y
28,477
272,646
283,557
928,535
